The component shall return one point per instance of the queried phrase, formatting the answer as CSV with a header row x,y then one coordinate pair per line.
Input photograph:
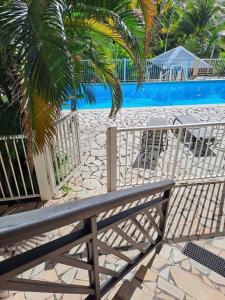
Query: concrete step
x,y
130,287
175,276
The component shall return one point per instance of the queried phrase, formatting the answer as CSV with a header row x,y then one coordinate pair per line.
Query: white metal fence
x,y
17,178
64,155
56,165
162,70
170,70
217,67
52,169
181,152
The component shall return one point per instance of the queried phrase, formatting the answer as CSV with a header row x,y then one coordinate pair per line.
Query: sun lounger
x,y
153,142
158,137
197,135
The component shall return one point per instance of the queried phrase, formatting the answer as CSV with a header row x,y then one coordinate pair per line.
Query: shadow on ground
x,y
196,211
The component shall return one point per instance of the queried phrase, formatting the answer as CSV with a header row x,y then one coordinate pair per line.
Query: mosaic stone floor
x,y
175,276
172,276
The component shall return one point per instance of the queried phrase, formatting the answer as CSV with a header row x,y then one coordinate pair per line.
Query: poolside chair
x,y
197,137
152,144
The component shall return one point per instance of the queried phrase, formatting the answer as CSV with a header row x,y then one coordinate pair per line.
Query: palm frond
x,y
105,72
49,39
148,9
38,33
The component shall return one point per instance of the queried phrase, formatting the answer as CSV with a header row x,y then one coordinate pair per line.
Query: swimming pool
x,y
159,94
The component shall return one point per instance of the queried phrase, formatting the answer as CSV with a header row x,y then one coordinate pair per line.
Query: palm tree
x,y
200,25
166,15
44,43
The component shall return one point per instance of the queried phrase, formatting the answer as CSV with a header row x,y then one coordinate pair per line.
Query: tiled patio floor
x,y
175,276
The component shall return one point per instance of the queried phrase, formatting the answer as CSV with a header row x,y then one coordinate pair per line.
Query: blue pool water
x,y
159,94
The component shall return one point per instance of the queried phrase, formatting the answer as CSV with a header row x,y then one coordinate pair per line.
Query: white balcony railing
x,y
181,152
52,169
17,178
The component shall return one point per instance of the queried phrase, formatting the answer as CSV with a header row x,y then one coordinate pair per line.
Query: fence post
x,y
160,76
196,67
42,177
124,69
77,133
111,158
177,152
223,193
170,74
92,257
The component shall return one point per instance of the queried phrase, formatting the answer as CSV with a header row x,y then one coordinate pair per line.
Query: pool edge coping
x,y
146,107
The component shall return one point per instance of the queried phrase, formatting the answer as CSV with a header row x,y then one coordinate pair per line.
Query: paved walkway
x,y
175,276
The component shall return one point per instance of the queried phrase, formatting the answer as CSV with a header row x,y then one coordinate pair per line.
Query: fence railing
x,y
52,169
162,70
217,67
181,152
17,178
57,164
126,225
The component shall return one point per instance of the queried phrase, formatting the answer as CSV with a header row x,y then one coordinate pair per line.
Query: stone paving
x,y
172,276
196,211
175,276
